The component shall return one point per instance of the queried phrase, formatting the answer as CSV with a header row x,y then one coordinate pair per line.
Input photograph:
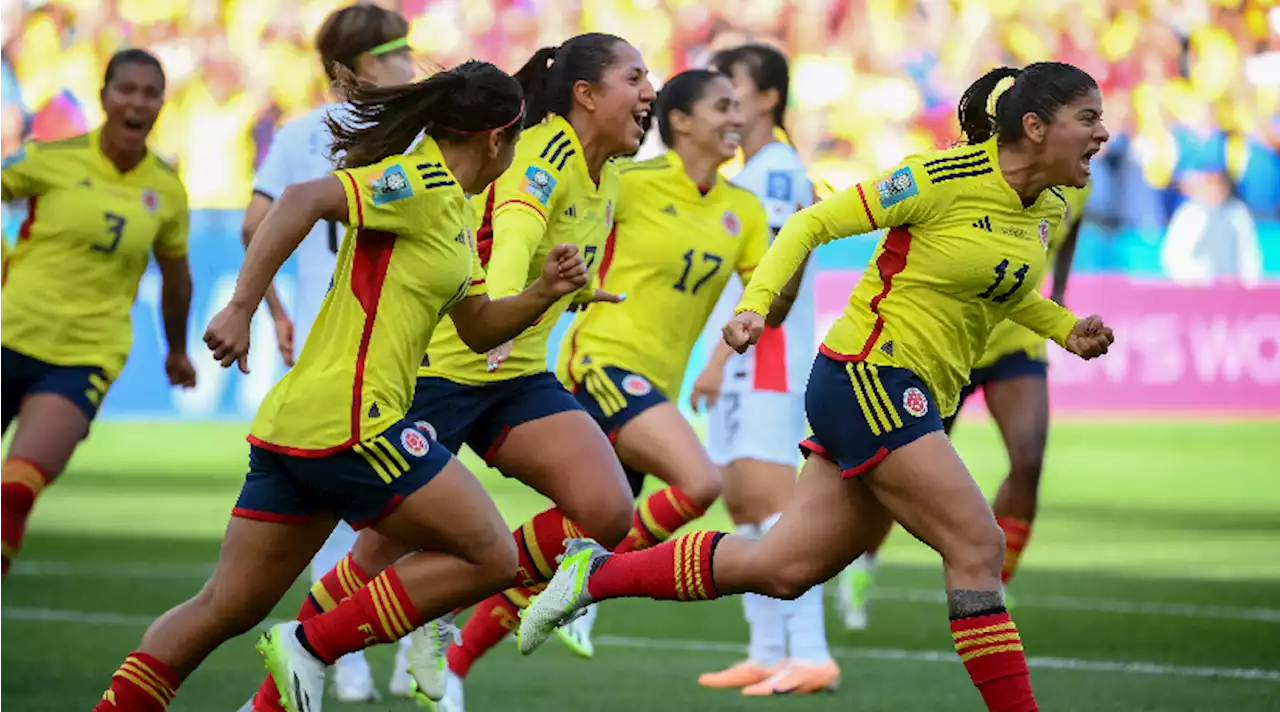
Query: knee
x,y
234,615
790,580
705,489
1025,464
607,516
977,551
494,556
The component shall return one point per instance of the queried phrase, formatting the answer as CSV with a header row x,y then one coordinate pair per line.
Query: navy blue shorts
x,y
860,412
361,485
22,376
482,416
613,396
1018,364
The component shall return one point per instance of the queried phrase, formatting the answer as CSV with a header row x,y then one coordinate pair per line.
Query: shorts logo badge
x,y
1044,234
427,428
636,385
731,223
414,442
915,402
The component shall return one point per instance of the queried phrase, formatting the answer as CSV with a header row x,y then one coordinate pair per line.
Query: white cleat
x,y
353,681
576,634
401,684
452,700
428,656
853,589
565,596
299,675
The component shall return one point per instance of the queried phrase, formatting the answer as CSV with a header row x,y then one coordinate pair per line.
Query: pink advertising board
x,y
1178,351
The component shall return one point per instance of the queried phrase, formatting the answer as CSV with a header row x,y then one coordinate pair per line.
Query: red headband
x,y
519,115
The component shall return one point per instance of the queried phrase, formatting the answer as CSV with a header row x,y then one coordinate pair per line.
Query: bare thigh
x,y
49,429
660,442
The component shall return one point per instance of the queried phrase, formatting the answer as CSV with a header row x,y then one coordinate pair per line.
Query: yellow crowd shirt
x,y
72,277
407,258
960,254
546,198
671,252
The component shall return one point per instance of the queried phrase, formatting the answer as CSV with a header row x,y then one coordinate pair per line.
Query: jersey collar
x,y
95,144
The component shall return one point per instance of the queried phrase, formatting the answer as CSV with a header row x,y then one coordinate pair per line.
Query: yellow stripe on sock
x,y
17,471
571,530
981,652
535,551
862,400
677,569
884,395
347,578
145,671
646,516
681,508
699,584
691,566
986,640
397,609
143,685
379,604
323,599
518,599
1007,625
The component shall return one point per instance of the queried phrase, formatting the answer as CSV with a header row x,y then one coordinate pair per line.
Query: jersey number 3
x,y
1000,270
115,227
707,258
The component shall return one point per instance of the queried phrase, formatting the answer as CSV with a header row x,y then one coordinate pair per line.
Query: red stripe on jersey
x,y
867,208
484,236
369,263
355,189
24,232
540,211
771,361
301,452
892,260
609,243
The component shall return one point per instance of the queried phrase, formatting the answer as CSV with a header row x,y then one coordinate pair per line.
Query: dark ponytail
x,y
449,106
549,75
1041,88
680,93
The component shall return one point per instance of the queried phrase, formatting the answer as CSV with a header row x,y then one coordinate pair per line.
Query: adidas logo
x,y
670,210
462,237
887,348
984,224
374,412
571,211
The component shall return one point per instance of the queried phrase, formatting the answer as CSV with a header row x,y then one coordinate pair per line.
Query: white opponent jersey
x,y
300,152
780,362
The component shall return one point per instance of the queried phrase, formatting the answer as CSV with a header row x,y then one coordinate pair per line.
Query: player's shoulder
x,y
421,175
75,143
167,178
49,149
952,165
549,143
634,172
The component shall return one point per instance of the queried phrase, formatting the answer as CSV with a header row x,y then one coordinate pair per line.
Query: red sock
x,y
141,684
991,651
378,613
1017,532
539,541
334,587
20,483
658,517
488,625
679,570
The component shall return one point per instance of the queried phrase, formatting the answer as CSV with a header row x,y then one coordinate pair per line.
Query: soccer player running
x,y
586,101
331,438
755,399
679,232
1013,375
99,206
890,369
370,42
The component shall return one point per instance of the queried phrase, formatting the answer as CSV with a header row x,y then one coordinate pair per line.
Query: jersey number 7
x,y
1000,270
115,226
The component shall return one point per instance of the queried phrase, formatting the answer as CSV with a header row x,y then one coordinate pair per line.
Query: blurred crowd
x,y
1191,87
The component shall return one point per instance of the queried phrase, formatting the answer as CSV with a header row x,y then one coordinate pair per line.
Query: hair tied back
x,y
998,91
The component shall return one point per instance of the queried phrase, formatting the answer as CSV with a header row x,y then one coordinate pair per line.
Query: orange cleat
x,y
798,678
742,674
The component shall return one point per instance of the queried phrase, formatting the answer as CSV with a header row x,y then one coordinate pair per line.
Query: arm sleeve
x,y
172,240
1044,316
892,201
381,196
516,236
22,173
479,285
274,174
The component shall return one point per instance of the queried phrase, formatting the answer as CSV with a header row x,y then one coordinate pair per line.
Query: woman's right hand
x,y
228,336
743,330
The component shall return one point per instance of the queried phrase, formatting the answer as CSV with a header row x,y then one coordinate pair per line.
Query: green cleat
x,y
565,597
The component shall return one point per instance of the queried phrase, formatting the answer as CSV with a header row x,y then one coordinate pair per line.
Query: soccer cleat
x,y
299,675
576,634
852,591
798,678
565,597
401,684
352,681
452,700
739,675
428,661
248,706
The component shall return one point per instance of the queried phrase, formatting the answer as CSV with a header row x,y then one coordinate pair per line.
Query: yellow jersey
x,y
407,258
72,278
1010,337
671,252
544,199
961,254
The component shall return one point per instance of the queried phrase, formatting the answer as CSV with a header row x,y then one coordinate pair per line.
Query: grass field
x,y
1152,583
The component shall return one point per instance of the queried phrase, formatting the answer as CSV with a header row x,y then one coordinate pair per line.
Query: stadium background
x,y
1152,582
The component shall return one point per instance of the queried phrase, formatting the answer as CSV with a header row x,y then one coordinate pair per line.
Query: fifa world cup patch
x,y
414,442
1044,234
915,402
897,187
427,428
539,184
392,186
636,385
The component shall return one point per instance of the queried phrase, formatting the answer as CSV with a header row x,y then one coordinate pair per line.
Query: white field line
x,y
47,615
55,569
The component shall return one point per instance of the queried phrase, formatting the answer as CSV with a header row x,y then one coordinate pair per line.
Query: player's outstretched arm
x,y
484,324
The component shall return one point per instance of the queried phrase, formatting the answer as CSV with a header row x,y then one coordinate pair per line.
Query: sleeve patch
x,y
538,183
392,186
778,185
897,188
14,158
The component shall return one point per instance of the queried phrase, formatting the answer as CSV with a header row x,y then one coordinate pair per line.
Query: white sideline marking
x,y
49,615
884,593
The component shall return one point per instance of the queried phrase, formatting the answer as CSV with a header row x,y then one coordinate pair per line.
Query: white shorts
x,y
756,425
